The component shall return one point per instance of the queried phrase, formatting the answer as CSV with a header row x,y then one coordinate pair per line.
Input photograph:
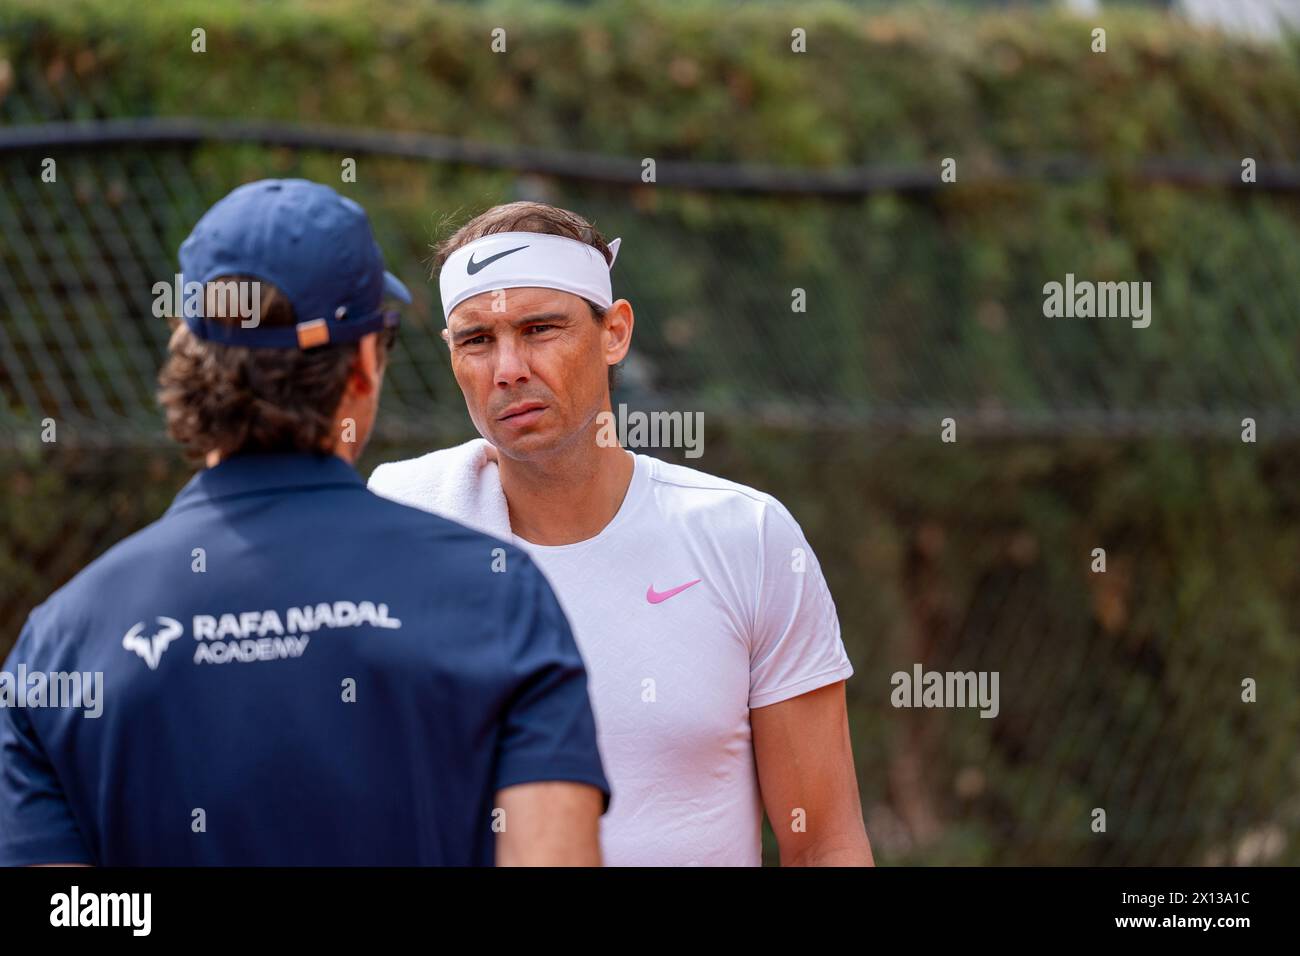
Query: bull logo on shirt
x,y
151,648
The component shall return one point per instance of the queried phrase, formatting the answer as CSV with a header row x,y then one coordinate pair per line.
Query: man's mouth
x,y
522,413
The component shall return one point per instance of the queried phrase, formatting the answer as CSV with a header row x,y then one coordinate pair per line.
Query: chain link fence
x,y
797,309
825,331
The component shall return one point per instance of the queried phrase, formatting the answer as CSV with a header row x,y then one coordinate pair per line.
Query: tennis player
x,y
707,627
278,689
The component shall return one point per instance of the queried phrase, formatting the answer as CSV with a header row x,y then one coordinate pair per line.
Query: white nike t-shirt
x,y
700,600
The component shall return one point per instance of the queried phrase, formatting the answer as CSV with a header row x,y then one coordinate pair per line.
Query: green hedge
x,y
931,302
1119,690
703,81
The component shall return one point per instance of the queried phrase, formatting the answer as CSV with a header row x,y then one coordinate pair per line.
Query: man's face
x,y
533,366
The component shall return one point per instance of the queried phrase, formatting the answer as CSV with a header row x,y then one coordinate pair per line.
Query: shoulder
x,y
410,474
402,534
722,517
708,489
698,496
392,535
95,586
403,526
398,473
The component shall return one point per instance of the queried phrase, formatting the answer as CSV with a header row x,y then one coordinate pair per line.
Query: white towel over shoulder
x,y
459,483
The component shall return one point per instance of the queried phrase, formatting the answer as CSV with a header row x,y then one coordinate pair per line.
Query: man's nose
x,y
512,365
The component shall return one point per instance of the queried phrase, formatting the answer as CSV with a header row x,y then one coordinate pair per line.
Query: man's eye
x,y
476,340
534,328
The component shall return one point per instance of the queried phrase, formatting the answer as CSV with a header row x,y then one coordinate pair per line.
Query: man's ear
x,y
366,370
618,323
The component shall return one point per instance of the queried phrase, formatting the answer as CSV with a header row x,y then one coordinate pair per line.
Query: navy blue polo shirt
x,y
293,670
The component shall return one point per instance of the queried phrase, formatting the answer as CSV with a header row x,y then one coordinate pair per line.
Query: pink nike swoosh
x,y
658,597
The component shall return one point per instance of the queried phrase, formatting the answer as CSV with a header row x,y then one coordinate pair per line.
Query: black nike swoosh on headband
x,y
474,267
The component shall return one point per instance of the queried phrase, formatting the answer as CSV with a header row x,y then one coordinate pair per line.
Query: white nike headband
x,y
513,260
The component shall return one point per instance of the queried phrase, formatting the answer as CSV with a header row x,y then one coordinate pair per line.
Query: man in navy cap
x,y
294,670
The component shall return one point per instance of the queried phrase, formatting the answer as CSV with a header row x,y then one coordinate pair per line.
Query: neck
x,y
569,496
344,451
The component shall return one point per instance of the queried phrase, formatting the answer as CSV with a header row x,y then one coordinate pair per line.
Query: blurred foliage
x,y
637,78
1118,690
929,301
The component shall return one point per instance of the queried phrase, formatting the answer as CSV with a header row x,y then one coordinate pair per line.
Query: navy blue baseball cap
x,y
314,245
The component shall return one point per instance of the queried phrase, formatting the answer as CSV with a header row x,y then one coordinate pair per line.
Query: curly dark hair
x,y
233,399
